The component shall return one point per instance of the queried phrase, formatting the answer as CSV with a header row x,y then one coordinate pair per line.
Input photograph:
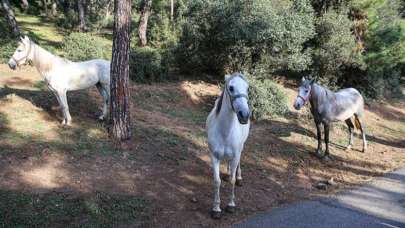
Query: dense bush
x,y
334,47
147,65
266,98
385,57
230,35
8,43
85,46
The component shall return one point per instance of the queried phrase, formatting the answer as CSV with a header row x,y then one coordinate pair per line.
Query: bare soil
x,y
166,164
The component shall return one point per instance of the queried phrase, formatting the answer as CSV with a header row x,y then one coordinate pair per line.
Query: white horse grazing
x,y
228,128
62,75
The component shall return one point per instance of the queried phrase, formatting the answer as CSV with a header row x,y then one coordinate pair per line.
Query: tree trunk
x,y
45,5
25,5
10,17
119,106
54,9
171,10
143,22
82,19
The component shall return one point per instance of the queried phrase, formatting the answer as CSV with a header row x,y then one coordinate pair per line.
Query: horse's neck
x,y
320,95
226,116
42,59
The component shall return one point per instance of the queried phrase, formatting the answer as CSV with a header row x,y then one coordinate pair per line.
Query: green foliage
x,y
385,57
229,36
147,65
85,46
8,43
266,98
334,47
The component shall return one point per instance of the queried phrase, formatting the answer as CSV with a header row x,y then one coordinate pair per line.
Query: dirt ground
x,y
162,176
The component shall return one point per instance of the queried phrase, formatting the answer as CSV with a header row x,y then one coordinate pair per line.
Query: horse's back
x,y
348,101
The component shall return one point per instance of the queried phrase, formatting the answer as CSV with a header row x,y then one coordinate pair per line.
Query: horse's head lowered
x,y
236,86
21,54
304,93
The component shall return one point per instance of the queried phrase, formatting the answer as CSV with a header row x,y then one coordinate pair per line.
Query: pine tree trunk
x,y
10,17
54,9
171,10
25,5
143,22
82,19
119,106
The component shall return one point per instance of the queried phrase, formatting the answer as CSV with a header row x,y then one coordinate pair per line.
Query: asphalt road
x,y
380,203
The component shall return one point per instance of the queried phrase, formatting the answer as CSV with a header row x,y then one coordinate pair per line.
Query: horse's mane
x,y
325,92
219,103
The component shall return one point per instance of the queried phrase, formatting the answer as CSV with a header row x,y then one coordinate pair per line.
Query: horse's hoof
x,y
319,154
328,158
230,209
225,177
238,182
215,214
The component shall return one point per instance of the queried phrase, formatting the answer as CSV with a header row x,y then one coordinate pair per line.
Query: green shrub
x,y
84,46
8,44
266,98
385,56
147,64
335,48
231,36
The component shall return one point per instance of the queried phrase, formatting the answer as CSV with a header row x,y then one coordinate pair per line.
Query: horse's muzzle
x,y
243,117
12,65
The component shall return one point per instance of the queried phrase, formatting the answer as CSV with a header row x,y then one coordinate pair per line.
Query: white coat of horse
x,y
227,127
62,75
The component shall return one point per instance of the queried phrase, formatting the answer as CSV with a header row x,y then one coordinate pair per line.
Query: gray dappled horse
x,y
328,107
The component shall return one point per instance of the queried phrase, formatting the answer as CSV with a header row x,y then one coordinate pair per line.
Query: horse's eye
x,y
19,50
306,91
231,88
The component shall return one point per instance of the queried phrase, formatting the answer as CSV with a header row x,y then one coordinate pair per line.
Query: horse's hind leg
x,y
363,134
216,210
65,108
351,127
104,93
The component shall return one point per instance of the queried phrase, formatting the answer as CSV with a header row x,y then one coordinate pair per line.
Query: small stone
x,y
321,186
331,182
194,200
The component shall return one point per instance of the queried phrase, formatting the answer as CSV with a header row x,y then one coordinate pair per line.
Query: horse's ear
x,y
227,76
303,79
312,81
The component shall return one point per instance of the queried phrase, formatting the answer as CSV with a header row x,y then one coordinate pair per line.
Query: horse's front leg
x,y
238,176
234,165
326,128
216,210
319,137
65,108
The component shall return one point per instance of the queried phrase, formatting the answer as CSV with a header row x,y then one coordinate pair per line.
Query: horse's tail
x,y
357,122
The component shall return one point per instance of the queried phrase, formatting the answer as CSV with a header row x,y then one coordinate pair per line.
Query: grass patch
x,y
58,209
